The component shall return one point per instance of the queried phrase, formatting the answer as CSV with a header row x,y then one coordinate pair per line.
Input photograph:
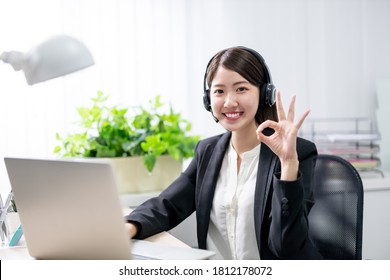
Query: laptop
x,y
70,209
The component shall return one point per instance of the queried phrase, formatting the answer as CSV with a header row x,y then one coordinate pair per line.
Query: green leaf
x,y
105,152
149,161
175,153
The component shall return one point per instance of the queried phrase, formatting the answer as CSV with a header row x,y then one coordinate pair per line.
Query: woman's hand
x,y
131,229
283,141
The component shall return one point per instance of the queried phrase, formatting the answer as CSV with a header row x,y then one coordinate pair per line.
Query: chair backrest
x,y
336,219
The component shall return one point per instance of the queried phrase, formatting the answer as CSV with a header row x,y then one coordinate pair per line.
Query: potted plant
x,y
145,148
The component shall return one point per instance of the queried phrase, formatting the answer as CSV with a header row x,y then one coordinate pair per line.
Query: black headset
x,y
267,91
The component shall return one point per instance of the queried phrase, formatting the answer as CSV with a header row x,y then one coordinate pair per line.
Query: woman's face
x,y
234,101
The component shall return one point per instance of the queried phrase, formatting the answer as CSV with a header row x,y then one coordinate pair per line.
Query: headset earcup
x,y
206,100
267,95
272,95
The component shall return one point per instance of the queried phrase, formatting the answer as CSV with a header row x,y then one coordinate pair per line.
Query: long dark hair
x,y
248,66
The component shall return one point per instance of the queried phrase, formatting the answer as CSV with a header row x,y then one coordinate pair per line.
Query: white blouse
x,y
231,230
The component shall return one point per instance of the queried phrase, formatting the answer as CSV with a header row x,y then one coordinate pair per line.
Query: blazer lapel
x,y
211,163
267,161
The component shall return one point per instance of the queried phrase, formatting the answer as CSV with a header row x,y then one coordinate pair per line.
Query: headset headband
x,y
251,51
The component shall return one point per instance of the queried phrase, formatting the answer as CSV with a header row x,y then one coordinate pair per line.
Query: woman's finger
x,y
291,109
279,106
266,124
302,118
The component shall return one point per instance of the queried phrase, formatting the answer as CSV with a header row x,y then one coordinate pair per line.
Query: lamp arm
x,y
15,58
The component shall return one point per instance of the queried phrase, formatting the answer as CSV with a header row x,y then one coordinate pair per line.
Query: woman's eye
x,y
241,89
218,91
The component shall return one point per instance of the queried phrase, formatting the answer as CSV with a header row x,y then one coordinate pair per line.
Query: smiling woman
x,y
246,185
148,48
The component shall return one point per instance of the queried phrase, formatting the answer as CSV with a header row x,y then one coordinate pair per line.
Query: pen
x,y
4,211
6,206
8,201
16,237
1,220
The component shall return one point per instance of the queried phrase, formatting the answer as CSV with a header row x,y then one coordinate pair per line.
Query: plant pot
x,y
132,176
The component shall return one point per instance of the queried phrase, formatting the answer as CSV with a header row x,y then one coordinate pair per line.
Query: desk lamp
x,y
58,56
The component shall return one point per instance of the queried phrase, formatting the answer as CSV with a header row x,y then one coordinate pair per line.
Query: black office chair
x,y
336,219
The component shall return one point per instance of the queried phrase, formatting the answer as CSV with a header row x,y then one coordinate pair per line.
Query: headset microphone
x,y
214,117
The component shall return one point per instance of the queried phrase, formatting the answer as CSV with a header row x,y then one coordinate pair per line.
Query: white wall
x,y
327,52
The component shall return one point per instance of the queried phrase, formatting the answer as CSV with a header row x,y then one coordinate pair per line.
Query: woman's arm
x,y
291,202
167,210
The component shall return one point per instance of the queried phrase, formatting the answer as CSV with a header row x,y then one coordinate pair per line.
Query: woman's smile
x,y
232,116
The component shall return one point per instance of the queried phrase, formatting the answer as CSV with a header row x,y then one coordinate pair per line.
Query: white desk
x,y
376,217
21,253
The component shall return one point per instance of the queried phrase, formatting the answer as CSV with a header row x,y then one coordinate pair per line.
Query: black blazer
x,y
280,207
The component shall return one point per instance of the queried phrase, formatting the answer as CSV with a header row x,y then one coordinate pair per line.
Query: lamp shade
x,y
58,56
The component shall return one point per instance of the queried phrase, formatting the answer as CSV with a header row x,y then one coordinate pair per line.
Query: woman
x,y
251,186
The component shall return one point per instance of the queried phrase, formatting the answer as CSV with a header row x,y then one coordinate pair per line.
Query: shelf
x,y
354,139
347,150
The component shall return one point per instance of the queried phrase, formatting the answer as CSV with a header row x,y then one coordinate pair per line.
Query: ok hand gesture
x,y
283,141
